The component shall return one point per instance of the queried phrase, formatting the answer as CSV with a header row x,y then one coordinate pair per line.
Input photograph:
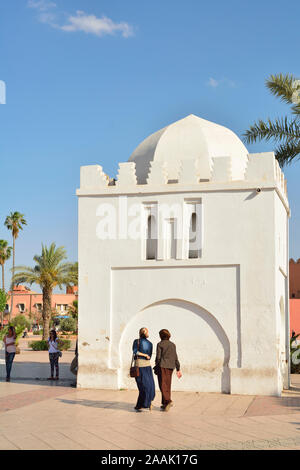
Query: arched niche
x,y
202,344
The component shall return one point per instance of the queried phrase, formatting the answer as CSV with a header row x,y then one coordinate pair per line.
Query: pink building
x,y
26,302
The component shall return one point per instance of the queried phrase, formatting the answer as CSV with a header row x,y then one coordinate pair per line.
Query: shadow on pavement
x,y
41,381
113,405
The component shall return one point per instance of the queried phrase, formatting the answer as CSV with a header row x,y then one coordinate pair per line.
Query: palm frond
x,y
282,86
279,129
287,152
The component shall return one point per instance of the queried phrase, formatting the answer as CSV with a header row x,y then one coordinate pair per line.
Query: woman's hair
x,y
164,334
54,334
143,332
12,329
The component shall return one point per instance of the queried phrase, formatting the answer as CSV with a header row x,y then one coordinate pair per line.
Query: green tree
x,y
14,222
284,131
49,271
73,309
68,324
74,274
3,300
21,320
5,254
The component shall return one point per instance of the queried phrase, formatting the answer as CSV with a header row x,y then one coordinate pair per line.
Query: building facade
x,y
30,303
192,237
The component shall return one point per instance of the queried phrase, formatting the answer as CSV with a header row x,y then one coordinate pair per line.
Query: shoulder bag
x,y
134,370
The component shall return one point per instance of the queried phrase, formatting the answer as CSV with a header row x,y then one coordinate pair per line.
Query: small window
x,y
151,243
193,251
150,230
21,307
193,229
170,239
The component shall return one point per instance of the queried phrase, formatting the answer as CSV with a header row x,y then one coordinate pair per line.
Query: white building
x,y
215,271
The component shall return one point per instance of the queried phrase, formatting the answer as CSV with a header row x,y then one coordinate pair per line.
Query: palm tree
x,y
5,254
14,222
284,131
74,274
48,272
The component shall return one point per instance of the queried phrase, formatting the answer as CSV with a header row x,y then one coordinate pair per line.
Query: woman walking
x,y
10,350
54,354
142,350
165,362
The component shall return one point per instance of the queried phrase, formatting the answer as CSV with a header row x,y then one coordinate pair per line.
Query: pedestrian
x,y
74,364
10,350
142,352
54,354
165,362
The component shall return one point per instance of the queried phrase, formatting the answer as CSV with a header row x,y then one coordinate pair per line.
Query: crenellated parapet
x,y
93,176
126,174
222,169
262,170
189,172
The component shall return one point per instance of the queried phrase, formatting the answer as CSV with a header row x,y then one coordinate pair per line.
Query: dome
x,y
191,138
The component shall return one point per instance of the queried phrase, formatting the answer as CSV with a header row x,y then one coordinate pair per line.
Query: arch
x,y
188,309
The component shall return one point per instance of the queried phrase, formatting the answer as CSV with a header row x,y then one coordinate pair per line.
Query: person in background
x,y
53,354
10,350
142,350
74,364
165,362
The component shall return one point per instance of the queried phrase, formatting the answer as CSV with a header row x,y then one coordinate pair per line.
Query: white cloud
x,y
41,5
90,24
212,82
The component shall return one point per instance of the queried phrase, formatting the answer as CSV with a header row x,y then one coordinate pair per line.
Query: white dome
x,y
191,138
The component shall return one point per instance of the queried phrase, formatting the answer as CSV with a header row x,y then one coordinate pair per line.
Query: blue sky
x,y
87,80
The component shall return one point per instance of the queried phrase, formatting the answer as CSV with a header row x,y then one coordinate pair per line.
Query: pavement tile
x,y
5,444
59,441
123,441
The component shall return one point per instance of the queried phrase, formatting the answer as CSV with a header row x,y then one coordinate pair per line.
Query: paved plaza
x,y
37,414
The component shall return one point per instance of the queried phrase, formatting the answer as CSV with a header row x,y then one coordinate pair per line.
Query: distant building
x,y
294,289
294,279
30,303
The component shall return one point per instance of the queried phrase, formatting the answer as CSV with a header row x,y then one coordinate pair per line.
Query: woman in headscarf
x,y
142,350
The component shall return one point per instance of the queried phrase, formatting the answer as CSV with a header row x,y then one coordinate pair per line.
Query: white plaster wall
x,y
233,280
282,293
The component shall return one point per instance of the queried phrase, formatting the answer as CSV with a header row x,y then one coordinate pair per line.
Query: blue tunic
x,y
144,381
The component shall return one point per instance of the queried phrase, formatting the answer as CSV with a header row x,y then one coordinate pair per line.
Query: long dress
x,y
145,380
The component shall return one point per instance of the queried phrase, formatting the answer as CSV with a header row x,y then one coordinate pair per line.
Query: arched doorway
x,y
202,345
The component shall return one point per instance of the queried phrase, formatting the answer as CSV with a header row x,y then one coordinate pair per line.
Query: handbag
x,y
156,369
134,370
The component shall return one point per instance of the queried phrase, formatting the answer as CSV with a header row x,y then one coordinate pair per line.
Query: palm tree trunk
x,y
47,296
13,273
